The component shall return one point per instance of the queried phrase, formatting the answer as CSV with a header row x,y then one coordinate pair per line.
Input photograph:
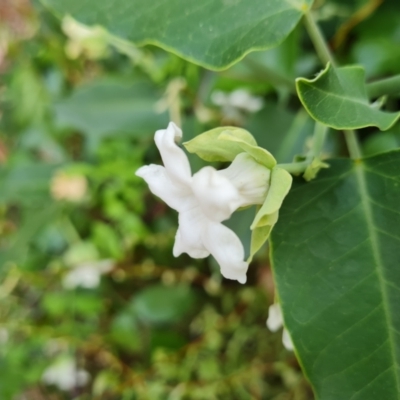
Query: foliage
x,y
86,265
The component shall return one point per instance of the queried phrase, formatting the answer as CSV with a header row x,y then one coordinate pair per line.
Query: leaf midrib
x,y
364,196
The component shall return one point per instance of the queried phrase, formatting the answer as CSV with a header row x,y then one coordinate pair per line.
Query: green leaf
x,y
381,142
335,254
285,134
160,304
214,34
125,332
337,97
64,304
109,106
26,183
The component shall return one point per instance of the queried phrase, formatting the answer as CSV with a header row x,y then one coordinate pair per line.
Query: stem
x,y
295,168
317,145
70,230
319,137
325,55
352,144
384,86
268,74
318,40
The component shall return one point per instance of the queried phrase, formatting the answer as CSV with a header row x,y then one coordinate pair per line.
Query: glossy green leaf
x,y
335,253
337,97
108,106
214,34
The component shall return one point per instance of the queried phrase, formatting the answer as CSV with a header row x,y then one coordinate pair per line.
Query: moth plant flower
x,y
275,322
234,104
65,374
207,198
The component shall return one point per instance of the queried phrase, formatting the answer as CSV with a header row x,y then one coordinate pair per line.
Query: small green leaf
x,y
337,97
160,304
210,147
312,170
214,34
266,217
335,254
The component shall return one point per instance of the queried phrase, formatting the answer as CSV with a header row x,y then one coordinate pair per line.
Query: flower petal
x,y
249,177
287,340
275,319
85,276
217,197
188,238
227,249
160,183
174,158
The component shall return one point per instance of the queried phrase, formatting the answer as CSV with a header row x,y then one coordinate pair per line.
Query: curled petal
x,y
188,238
217,197
249,177
275,319
174,159
227,249
171,192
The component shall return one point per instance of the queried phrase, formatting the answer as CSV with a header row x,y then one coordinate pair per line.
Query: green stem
x,y
70,230
325,55
319,137
384,86
352,144
295,168
318,40
317,145
270,75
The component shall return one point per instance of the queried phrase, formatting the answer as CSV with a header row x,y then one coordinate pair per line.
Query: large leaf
x,y
213,33
336,253
28,184
109,106
337,97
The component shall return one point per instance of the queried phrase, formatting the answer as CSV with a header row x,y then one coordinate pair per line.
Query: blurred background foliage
x,y
93,304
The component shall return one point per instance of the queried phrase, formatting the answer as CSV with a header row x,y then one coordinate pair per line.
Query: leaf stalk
x,y
384,86
318,40
326,56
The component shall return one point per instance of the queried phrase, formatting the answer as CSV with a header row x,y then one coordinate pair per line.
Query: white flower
x,y
92,41
275,319
239,99
206,199
87,274
287,340
65,375
275,322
